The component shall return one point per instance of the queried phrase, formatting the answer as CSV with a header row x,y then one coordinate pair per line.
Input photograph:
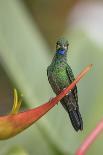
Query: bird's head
x,y
62,46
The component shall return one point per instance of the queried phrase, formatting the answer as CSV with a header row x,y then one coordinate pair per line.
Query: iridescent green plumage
x,y
60,75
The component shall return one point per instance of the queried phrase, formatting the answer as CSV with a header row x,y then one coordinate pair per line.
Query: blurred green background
x,y
28,32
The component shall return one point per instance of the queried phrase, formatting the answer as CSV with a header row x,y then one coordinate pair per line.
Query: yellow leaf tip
x,y
16,104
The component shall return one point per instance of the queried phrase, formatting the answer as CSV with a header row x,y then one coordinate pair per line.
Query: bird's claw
x,y
50,98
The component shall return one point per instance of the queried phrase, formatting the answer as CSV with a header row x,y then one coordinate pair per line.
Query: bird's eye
x,y
57,46
67,44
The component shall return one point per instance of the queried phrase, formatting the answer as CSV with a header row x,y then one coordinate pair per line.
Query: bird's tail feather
x,y
76,119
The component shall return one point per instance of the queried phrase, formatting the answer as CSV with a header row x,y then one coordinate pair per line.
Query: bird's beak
x,y
64,47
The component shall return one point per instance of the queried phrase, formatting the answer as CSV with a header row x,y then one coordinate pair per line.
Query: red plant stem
x,y
90,139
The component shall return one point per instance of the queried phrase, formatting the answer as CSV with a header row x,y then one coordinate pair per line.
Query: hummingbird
x,y
60,75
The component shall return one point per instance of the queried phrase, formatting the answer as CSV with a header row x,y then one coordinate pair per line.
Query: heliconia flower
x,y
15,122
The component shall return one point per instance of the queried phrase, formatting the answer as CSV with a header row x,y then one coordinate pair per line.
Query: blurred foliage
x,y
50,16
16,151
24,57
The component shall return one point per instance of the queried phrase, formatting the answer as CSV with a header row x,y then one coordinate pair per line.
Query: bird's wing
x,y
71,79
52,81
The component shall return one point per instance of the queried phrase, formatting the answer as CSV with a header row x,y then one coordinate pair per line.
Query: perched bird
x,y
60,75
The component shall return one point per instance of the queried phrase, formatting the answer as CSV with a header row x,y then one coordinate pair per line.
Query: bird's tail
x,y
76,119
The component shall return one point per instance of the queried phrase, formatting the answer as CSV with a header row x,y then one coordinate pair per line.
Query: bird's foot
x,y
50,98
